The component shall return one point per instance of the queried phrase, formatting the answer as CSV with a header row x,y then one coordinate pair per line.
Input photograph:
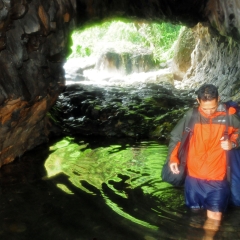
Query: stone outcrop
x,y
35,39
126,62
224,16
34,36
182,52
215,60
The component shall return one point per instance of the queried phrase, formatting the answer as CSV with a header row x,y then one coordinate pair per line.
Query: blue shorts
x,y
211,195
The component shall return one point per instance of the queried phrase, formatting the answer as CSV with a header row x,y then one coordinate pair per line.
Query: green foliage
x,y
125,36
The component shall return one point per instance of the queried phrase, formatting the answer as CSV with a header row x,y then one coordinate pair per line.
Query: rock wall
x,y
224,16
33,40
216,60
216,57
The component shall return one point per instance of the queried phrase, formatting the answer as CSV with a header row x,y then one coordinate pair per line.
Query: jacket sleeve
x,y
176,136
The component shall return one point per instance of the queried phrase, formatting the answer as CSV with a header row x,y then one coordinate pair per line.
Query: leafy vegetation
x,y
121,35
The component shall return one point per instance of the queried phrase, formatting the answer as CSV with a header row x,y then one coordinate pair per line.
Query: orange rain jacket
x,y
206,159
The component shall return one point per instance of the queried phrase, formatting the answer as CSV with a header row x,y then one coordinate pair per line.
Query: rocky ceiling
x,y
221,14
35,38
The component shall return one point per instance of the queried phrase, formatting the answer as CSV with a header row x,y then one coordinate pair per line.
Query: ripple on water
x,y
128,179
98,189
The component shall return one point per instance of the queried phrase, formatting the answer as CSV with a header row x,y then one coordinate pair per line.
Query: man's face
x,y
208,107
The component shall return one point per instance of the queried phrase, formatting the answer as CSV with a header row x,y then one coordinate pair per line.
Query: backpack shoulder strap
x,y
191,123
188,131
228,172
227,123
183,148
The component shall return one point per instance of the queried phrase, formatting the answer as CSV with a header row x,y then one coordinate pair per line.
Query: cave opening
x,y
124,73
122,49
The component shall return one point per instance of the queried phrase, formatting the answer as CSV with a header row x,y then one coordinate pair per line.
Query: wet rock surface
x,y
151,111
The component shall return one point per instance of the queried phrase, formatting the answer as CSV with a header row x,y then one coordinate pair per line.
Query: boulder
x,y
182,52
126,62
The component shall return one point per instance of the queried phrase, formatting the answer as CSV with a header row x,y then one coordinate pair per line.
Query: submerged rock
x,y
119,112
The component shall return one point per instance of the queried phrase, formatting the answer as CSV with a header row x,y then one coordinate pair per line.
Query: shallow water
x,y
98,189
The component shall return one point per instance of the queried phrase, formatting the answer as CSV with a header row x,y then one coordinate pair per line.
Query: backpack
x,y
234,164
178,180
233,104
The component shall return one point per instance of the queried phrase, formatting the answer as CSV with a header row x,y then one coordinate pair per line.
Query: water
x,y
96,189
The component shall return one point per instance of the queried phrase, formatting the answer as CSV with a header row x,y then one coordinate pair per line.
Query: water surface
x,y
99,189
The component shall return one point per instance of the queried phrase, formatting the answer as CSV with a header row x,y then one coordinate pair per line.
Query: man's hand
x,y
174,168
226,144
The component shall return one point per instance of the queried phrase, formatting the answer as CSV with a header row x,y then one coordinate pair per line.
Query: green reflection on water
x,y
140,164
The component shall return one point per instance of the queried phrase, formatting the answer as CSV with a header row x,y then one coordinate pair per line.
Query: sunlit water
x,y
98,189
77,71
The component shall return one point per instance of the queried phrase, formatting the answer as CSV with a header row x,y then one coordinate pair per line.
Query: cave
x,y
60,187
36,38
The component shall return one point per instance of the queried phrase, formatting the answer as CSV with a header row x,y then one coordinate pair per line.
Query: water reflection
x,y
97,189
114,170
128,179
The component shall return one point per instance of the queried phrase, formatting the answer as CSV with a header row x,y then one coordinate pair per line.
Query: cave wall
x,y
216,56
33,46
224,16
35,40
215,60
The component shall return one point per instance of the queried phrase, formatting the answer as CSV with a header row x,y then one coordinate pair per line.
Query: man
x,y
206,185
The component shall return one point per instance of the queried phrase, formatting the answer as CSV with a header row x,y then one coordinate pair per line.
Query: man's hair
x,y
207,92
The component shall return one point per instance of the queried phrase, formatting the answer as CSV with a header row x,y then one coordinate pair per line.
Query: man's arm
x,y
175,140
